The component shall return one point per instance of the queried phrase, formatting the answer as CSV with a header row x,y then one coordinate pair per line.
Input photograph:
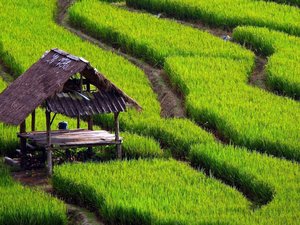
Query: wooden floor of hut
x,y
71,138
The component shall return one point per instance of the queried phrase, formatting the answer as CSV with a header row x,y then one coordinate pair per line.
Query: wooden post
x,y
81,86
90,122
90,127
33,121
117,135
23,143
78,122
48,147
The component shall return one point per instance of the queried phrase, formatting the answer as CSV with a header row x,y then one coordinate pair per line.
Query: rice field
x,y
234,159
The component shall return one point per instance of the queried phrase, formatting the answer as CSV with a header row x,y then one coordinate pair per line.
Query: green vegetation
x,y
136,146
20,205
217,94
283,69
24,39
228,13
147,36
216,90
263,175
150,192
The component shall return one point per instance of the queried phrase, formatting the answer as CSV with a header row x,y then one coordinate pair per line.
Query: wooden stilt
x,y
90,127
23,147
117,135
78,122
33,120
48,148
90,122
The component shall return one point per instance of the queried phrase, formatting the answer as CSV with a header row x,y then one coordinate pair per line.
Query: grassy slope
x,y
20,205
254,122
150,192
263,174
283,71
229,13
217,93
20,46
36,44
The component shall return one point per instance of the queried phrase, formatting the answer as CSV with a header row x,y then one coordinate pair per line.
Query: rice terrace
x,y
165,112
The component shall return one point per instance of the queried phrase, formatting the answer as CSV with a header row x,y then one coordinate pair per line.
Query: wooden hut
x,y
66,84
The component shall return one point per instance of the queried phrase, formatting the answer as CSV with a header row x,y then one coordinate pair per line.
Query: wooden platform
x,y
71,138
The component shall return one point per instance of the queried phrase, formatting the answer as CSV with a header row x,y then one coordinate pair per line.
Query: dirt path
x,y
38,179
258,77
171,102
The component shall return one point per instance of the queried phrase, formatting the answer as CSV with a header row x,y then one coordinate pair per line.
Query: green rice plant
x,y
244,115
150,192
136,146
218,95
147,36
24,39
23,206
283,68
228,13
263,175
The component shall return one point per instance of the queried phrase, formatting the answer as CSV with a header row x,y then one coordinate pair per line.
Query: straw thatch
x,y
45,79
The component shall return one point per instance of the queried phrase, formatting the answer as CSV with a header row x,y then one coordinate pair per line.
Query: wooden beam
x,y
33,120
48,146
117,135
23,147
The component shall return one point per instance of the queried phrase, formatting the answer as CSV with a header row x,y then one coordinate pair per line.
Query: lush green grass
x,y
147,36
150,192
283,69
229,13
136,146
217,94
21,206
24,39
216,90
253,172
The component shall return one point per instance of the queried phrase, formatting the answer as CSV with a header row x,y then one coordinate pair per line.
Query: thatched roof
x,y
45,79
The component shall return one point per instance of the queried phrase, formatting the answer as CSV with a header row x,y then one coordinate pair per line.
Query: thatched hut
x,y
69,85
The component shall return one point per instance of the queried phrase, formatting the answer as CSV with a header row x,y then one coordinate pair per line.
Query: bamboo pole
x,y
48,147
117,135
33,121
23,143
